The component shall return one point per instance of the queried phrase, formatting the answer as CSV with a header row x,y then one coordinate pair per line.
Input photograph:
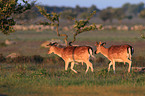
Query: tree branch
x,y
54,21
81,26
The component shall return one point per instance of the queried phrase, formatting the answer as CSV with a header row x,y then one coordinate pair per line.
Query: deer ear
x,y
104,43
49,44
55,43
96,44
100,43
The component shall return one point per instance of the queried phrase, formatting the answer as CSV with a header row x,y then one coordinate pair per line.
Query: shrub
x,y
2,58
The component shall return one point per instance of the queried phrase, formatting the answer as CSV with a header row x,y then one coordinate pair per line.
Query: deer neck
x,y
58,51
104,51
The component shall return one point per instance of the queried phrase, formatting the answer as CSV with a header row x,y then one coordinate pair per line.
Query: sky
x,y
101,4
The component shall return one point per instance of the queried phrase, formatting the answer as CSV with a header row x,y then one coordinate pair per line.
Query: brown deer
x,y
73,54
116,53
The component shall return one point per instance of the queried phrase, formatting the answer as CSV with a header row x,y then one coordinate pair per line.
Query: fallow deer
x,y
116,53
73,54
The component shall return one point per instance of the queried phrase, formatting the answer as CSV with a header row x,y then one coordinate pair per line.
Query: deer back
x,y
118,51
76,52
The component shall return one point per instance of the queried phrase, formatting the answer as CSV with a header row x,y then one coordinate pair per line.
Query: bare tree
x,y
80,26
54,21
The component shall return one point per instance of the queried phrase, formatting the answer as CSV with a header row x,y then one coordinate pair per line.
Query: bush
x,y
2,58
3,45
26,59
37,59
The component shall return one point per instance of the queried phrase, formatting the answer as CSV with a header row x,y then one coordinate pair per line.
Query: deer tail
x,y
130,51
91,53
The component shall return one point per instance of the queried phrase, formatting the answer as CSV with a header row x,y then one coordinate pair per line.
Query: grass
x,y
51,79
28,79
37,74
112,35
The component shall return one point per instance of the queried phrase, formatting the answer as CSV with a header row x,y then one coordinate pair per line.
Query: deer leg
x,y
82,63
66,65
89,64
72,65
129,62
129,68
109,66
114,66
87,68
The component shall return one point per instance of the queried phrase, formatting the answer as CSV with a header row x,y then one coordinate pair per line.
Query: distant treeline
x,y
127,10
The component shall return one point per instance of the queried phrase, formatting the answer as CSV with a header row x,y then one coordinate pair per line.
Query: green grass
x,y
111,35
45,79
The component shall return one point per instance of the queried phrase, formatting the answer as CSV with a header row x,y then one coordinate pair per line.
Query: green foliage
x,y
7,9
27,16
80,25
53,17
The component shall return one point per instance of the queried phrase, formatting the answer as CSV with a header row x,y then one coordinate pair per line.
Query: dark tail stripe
x,y
89,49
132,50
73,53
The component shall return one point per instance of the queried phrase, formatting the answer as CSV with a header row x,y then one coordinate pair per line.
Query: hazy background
x,y
101,4
107,11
